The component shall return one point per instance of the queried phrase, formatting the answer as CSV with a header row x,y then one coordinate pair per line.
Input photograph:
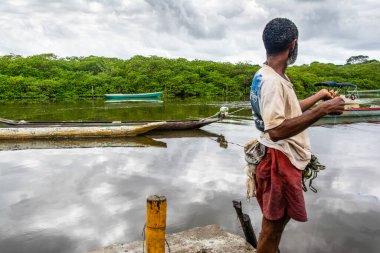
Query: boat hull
x,y
27,132
185,124
353,115
360,112
168,126
133,96
369,93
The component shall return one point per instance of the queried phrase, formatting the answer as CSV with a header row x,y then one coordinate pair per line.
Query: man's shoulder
x,y
267,75
271,82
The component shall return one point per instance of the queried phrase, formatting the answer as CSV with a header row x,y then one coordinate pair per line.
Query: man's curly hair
x,y
278,35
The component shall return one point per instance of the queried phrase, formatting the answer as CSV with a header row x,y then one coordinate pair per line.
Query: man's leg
x,y
270,236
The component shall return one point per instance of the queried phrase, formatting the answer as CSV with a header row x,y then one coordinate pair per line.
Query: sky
x,y
225,31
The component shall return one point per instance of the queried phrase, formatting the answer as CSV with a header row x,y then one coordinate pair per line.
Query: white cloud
x,y
330,31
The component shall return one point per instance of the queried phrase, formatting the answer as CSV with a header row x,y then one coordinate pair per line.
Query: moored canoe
x,y
170,124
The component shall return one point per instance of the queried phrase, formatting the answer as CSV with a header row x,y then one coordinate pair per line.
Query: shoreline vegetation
x,y
47,76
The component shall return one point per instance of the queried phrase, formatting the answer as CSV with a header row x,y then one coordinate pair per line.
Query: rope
x,y
167,245
143,235
236,111
212,116
224,111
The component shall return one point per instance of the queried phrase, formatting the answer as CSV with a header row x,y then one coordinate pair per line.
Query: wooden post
x,y
246,224
155,224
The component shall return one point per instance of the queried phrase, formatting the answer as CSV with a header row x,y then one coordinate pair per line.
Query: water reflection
x,y
76,200
140,141
223,143
344,216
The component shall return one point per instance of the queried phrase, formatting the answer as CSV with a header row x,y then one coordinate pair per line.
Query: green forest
x,y
48,76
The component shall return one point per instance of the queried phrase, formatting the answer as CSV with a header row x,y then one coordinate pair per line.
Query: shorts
x,y
279,187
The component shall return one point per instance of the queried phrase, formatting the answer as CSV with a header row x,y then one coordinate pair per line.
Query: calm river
x,y
72,200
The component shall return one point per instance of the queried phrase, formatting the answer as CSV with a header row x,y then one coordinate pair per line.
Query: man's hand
x,y
323,94
327,94
333,106
291,127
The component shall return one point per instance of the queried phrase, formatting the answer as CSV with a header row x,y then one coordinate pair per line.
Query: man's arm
x,y
320,95
291,127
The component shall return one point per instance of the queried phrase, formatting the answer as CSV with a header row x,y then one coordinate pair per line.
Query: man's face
x,y
292,57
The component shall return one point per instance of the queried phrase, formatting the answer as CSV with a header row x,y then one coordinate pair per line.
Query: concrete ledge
x,y
208,239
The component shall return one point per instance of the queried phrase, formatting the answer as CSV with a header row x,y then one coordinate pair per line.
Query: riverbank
x,y
208,239
47,76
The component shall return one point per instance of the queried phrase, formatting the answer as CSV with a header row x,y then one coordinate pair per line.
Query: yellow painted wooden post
x,y
155,224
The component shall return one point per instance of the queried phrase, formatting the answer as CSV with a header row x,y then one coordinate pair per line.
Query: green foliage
x,y
48,76
366,76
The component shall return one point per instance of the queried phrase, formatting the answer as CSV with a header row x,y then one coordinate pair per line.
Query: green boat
x,y
133,96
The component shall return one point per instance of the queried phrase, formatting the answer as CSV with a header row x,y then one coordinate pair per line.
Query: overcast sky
x,y
218,30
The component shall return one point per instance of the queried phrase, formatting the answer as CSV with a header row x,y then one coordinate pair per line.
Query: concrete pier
x,y
208,239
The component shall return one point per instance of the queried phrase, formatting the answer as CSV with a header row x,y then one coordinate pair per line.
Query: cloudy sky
x,y
228,30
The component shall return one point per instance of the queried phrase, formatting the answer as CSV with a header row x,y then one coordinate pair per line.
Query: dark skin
x,y
290,127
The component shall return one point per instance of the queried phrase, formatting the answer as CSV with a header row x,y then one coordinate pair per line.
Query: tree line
x,y
48,76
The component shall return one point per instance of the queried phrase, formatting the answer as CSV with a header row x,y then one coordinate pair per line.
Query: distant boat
x,y
352,115
350,98
368,93
132,96
361,112
150,100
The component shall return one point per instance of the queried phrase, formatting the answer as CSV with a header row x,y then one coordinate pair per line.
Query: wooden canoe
x,y
168,126
48,131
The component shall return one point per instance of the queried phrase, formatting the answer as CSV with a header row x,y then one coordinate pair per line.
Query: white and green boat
x,y
152,95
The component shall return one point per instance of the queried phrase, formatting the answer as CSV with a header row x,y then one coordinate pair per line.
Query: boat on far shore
x,y
152,95
149,100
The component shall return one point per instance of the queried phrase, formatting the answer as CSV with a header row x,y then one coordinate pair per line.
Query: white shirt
x,y
279,102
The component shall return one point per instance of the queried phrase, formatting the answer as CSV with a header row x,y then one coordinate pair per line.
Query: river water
x,y
76,199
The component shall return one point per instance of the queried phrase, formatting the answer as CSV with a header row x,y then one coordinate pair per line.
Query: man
x,y
279,115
